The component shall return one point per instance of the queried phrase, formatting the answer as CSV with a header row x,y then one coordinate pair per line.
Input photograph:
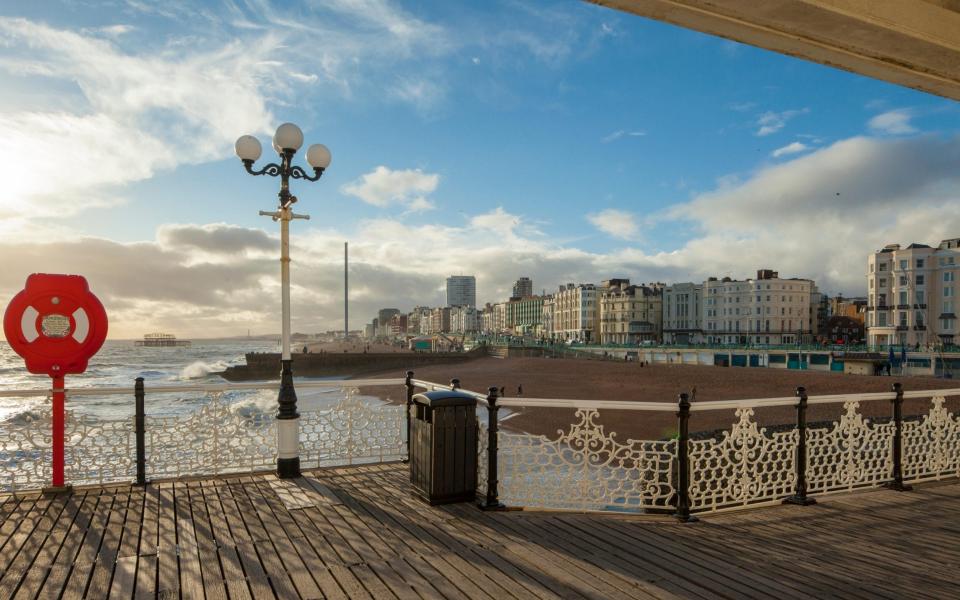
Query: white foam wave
x,y
200,369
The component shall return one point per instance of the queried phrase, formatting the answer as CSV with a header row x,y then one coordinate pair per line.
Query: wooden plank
x,y
191,576
107,553
168,561
208,542
63,562
86,557
45,557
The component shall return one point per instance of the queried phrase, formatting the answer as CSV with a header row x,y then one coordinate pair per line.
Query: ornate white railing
x,y
586,466
214,439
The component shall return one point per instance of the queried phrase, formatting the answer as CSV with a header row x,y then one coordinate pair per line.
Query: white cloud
x,y
817,216
894,122
617,223
792,148
616,135
384,186
771,122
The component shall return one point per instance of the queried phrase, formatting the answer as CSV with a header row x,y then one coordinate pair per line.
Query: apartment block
x,y
463,319
911,295
575,312
461,290
523,288
765,310
683,313
629,314
525,315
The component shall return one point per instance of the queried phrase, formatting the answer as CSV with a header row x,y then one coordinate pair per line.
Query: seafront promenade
x,y
357,532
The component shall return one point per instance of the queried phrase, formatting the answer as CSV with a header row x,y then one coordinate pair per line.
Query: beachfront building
x,y
575,313
463,319
383,320
546,318
629,314
522,288
397,327
524,316
765,310
461,290
911,295
683,313
439,320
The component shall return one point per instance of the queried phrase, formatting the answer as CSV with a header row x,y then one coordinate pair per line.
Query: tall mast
x,y
346,294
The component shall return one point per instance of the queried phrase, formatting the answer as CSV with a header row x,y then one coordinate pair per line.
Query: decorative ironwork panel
x,y
354,430
483,463
585,468
212,440
745,465
931,446
852,453
95,451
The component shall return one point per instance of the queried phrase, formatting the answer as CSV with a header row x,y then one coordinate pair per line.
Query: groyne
x,y
266,365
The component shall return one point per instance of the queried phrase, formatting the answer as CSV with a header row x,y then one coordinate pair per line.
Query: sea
x,y
119,362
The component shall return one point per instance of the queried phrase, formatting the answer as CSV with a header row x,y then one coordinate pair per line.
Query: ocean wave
x,y
200,369
255,406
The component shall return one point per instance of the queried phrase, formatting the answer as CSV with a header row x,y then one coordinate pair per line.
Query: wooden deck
x,y
357,533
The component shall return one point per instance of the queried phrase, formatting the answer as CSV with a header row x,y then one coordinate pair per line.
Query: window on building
x,y
903,280
903,318
918,318
883,282
919,279
946,324
903,265
871,284
947,292
882,267
919,263
881,319
903,297
919,296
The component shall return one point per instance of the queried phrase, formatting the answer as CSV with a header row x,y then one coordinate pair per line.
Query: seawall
x,y
266,365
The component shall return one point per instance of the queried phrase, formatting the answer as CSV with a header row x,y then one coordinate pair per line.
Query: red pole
x,y
58,431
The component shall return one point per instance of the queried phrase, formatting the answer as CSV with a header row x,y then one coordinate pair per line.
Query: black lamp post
x,y
286,141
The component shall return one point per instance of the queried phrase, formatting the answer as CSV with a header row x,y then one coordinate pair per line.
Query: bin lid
x,y
445,398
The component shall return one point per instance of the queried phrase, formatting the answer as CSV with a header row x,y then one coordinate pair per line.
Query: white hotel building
x,y
765,310
575,313
912,295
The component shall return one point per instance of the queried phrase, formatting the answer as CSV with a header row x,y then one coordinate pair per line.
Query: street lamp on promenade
x,y
286,141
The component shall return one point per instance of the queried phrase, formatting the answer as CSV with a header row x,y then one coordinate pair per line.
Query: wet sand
x,y
609,380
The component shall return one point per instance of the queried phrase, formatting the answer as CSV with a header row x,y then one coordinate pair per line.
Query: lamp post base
x,y
57,489
288,468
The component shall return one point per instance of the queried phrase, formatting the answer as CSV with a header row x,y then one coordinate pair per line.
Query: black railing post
x,y
897,482
683,462
799,496
454,384
409,384
492,501
141,432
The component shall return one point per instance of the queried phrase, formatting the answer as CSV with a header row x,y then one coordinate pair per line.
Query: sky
x,y
558,140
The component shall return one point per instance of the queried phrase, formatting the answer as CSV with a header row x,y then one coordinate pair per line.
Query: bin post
x,y
799,496
683,461
140,431
897,482
492,501
409,383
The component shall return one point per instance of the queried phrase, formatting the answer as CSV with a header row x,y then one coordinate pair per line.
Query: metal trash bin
x,y
443,446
